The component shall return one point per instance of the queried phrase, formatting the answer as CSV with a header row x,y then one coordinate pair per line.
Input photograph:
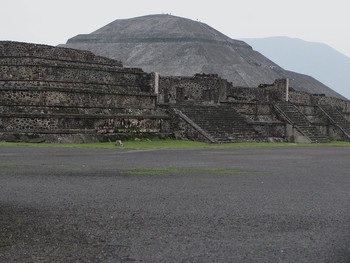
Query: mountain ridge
x,y
317,59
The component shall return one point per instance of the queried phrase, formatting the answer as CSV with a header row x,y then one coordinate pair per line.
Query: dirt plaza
x,y
271,204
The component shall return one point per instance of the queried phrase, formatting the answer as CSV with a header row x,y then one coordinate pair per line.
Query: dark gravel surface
x,y
289,204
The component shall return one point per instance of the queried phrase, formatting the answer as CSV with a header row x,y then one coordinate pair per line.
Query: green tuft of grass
x,y
5,165
173,144
4,242
190,170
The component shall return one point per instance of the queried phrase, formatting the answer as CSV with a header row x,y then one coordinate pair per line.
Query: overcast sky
x,y
54,21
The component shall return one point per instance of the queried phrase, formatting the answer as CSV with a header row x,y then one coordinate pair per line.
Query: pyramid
x,y
176,46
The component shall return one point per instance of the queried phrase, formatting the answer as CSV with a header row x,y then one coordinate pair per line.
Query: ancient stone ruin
x,y
55,94
60,94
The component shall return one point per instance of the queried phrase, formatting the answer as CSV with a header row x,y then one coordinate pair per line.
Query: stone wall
x,y
242,94
264,93
71,95
9,49
48,90
342,105
201,89
268,93
59,94
256,104
182,130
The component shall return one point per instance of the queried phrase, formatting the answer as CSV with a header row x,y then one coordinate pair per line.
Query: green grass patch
x,y
172,144
5,165
160,144
191,170
4,242
13,222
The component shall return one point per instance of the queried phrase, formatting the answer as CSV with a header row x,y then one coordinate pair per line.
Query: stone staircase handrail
x,y
303,127
281,112
332,119
194,125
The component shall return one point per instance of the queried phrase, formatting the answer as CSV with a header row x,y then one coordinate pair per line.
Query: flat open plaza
x,y
272,204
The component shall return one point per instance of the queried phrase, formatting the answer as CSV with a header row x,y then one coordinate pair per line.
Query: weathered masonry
x,y
210,108
64,95
60,94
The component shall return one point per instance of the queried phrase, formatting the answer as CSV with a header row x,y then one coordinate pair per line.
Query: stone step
x,y
337,118
302,123
221,122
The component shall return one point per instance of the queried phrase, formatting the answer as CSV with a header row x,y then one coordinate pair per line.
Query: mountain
x,y
315,59
178,46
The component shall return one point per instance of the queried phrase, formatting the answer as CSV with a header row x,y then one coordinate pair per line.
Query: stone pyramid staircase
x,y
293,116
336,118
221,124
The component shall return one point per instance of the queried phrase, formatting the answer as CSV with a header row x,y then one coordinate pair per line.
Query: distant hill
x,y
315,59
178,46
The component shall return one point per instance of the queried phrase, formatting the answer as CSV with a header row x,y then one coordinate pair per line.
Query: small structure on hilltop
x,y
64,95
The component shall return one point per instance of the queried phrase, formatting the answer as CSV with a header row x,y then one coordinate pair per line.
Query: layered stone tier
x,y
48,90
58,94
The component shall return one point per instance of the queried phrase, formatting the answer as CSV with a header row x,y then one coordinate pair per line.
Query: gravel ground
x,y
289,204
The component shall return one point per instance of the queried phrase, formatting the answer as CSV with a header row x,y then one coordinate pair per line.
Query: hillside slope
x,y
315,59
178,46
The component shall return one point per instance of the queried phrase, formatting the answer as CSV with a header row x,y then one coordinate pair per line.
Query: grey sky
x,y
53,22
